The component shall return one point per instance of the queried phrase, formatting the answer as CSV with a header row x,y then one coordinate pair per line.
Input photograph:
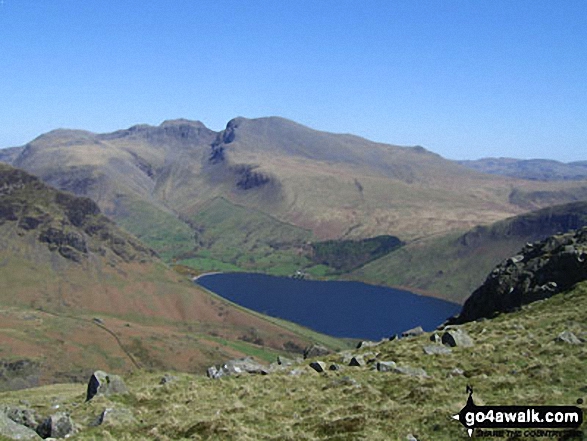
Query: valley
x,y
97,254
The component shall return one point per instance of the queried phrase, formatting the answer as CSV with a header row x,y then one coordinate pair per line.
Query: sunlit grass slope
x,y
515,361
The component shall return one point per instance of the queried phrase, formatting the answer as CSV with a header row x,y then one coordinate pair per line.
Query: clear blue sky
x,y
464,78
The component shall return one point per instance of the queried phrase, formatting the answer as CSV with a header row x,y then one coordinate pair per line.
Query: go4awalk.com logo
x,y
518,421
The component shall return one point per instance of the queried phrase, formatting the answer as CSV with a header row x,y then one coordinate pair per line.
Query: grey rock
x,y
244,365
102,383
414,332
411,371
346,357
334,367
436,350
457,372
318,366
436,338
358,360
56,426
14,431
316,351
411,437
116,417
569,338
238,366
386,366
167,378
342,382
457,337
214,373
367,344
284,361
27,417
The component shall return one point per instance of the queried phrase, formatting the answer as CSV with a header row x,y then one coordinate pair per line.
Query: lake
x,y
340,309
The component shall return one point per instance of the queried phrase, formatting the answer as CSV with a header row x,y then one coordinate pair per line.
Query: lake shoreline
x,y
339,308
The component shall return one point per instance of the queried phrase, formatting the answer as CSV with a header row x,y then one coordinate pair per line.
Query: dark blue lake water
x,y
340,309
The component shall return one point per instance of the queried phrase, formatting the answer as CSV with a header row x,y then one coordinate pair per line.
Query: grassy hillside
x,y
515,360
62,264
452,266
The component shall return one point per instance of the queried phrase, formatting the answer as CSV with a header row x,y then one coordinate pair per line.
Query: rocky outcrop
x,y
70,225
539,271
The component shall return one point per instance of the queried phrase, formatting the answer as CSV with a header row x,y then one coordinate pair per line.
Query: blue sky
x,y
464,78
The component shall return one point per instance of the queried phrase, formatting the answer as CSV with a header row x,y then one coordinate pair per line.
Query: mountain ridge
x,y
154,179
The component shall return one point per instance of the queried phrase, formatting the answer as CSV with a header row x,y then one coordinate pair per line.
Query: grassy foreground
x,y
515,360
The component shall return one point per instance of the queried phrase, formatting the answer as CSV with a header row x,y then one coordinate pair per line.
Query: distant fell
x,y
294,185
532,169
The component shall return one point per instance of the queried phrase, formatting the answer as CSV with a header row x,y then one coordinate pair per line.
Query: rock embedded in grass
x,y
436,350
316,351
457,337
58,425
569,338
414,332
12,430
102,383
318,366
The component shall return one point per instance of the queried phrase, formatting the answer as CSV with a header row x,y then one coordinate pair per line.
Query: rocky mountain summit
x,y
539,271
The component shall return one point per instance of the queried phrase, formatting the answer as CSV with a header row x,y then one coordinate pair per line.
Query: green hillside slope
x,y
78,291
452,266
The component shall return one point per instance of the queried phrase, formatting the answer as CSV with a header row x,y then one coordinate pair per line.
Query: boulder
x,y
386,366
367,344
436,350
411,371
414,332
316,351
12,430
357,360
236,367
457,337
214,373
167,378
244,365
27,417
318,366
284,361
569,338
116,417
102,383
456,372
56,426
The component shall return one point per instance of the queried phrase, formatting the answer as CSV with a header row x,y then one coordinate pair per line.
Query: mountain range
x,y
257,194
